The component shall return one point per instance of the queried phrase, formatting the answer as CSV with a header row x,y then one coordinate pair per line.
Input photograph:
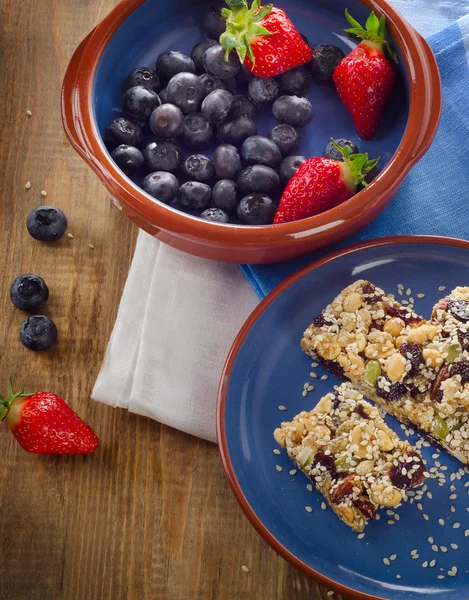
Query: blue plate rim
x,y
222,441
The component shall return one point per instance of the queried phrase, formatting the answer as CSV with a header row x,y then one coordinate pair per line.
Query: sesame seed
x,y
308,509
441,576
393,557
415,556
420,295
305,385
400,286
292,472
278,467
452,509
69,235
442,288
28,185
314,365
419,506
309,487
313,375
412,552
466,533
91,246
435,548
360,536
391,522
386,561
398,576
324,377
408,291
441,522
430,539
29,113
281,407
310,388
323,505
433,563
330,593
453,496
276,451
426,517
429,495
425,564
244,568
454,546
304,393
443,548
456,525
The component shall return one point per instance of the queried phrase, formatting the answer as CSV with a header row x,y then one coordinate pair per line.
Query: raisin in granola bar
x,y
351,456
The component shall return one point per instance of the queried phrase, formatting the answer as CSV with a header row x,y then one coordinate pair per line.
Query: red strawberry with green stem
x,y
319,184
264,38
365,77
44,424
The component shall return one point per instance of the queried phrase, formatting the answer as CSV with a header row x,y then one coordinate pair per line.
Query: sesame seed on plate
x,y
416,556
426,517
441,576
456,525
324,377
309,487
360,536
305,385
441,522
433,563
420,295
386,561
400,292
304,393
442,288
323,505
453,496
391,522
244,568
281,407
419,506
310,388
452,509
466,533
276,451
278,467
454,546
425,564
400,286
308,509
435,548
314,365
429,495
313,375
398,576
408,291
393,557
443,548
430,539
292,472
412,552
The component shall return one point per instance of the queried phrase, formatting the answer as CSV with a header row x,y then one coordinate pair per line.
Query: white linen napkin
x,y
176,322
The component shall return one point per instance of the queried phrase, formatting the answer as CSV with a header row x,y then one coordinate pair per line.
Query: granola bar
x,y
398,359
352,457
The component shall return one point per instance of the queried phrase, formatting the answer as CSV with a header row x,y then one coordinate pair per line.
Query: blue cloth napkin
x,y
434,199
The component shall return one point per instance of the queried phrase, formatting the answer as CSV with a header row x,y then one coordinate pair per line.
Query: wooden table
x,y
149,515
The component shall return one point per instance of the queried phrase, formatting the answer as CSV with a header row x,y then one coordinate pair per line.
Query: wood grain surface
x,y
149,515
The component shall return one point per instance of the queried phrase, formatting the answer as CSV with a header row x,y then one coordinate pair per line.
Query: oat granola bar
x,y
352,457
397,359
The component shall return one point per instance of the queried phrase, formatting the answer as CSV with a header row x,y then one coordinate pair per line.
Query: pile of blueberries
x,y
202,98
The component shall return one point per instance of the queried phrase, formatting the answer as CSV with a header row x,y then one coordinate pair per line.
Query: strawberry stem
x,y
374,31
359,164
6,402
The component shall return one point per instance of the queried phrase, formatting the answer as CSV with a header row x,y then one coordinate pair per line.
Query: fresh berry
x,y
213,24
365,78
163,96
195,196
258,178
225,195
461,368
327,461
128,158
264,38
46,223
256,209
198,168
289,166
162,156
29,292
263,92
38,333
227,161
320,184
286,137
242,107
143,76
198,52
459,309
43,423
259,150
211,83
407,473
162,186
171,63
167,121
366,508
216,64
216,215
243,77
122,131
293,110
388,390
186,91
324,62
412,352
197,131
139,102
295,82
217,105
237,130
332,152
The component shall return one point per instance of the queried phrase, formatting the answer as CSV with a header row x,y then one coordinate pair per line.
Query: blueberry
x,y
331,152
167,121
38,333
198,52
186,91
211,83
256,209
171,63
162,156
197,131
259,150
216,215
230,84
263,91
289,166
324,63
286,137
143,76
293,110
128,158
224,195
213,24
215,63
122,131
139,102
236,131
217,105
244,76
242,107
195,196
295,82
29,292
198,168
227,161
161,185
258,178
46,223
163,96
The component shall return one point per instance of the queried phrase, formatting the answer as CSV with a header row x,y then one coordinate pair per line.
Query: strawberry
x,y
365,78
42,423
264,38
319,184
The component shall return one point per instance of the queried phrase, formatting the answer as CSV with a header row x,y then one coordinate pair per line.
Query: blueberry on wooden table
x,y
225,195
286,137
198,52
171,63
162,156
293,110
215,63
289,166
258,178
236,131
227,161
167,121
256,209
143,76
217,105
128,158
195,196
161,185
198,168
215,215
197,131
332,152
186,91
324,62
263,91
242,107
139,102
38,332
211,83
122,131
259,150
29,292
46,223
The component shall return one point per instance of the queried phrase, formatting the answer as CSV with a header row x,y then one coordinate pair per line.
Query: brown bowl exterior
x,y
253,245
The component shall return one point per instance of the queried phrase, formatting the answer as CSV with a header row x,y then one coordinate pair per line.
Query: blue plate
x,y
266,368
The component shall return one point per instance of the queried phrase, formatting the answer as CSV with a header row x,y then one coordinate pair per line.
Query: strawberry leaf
x,y
265,10
374,31
372,23
351,20
225,13
237,3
